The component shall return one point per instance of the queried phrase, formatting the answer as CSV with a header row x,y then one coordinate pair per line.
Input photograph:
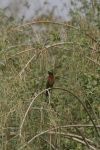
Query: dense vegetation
x,y
69,118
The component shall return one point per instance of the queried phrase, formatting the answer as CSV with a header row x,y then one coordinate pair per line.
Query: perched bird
x,y
50,81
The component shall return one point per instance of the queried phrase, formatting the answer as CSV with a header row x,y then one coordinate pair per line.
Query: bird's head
x,y
50,72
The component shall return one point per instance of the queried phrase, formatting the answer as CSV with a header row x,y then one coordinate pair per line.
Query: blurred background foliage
x,y
72,50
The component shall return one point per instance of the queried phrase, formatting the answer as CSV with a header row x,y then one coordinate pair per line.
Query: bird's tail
x,y
47,93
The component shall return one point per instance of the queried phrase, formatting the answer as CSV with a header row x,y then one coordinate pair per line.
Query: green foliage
x,y
26,54
55,36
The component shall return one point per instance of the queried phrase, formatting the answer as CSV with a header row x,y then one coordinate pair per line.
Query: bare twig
x,y
50,144
50,131
35,22
92,38
19,45
85,96
73,136
38,136
71,94
93,60
29,108
21,52
82,105
82,135
47,47
82,142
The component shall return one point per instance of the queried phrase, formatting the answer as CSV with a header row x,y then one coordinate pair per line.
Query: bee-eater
x,y
50,81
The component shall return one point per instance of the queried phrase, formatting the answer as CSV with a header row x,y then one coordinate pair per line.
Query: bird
x,y
50,81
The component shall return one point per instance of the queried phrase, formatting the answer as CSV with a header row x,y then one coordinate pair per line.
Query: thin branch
x,y
82,125
92,38
74,136
36,35
21,52
37,136
86,99
28,110
82,142
93,60
47,132
50,144
19,45
71,135
47,47
64,90
82,135
67,126
82,105
35,22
